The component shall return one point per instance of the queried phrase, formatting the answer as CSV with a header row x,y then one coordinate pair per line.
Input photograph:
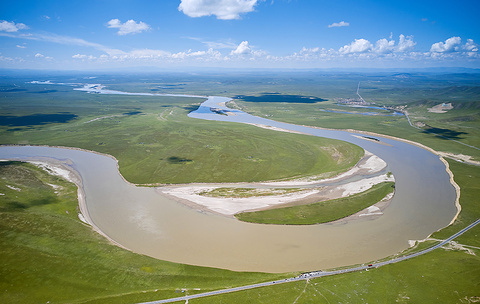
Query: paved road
x,y
317,274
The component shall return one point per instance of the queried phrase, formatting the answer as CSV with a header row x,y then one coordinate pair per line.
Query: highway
x,y
317,274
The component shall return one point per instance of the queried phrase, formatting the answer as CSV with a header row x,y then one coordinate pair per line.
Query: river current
x,y
144,221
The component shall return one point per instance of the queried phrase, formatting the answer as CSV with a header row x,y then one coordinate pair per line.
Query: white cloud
x,y
339,24
215,44
405,44
11,27
470,46
21,46
129,27
84,57
384,46
450,45
67,40
38,55
223,9
357,46
79,56
242,49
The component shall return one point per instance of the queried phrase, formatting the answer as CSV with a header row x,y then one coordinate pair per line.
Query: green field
x,y
321,212
156,143
48,255
441,276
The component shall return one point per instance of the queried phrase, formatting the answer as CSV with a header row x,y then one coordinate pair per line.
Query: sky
x,y
170,34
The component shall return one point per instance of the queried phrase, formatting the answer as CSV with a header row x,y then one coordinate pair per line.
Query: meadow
x,y
48,254
320,212
156,143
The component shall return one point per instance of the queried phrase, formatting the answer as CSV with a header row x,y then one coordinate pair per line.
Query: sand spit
x,y
191,195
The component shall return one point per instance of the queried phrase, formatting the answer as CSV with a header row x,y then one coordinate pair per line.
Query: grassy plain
x,y
48,255
321,212
155,142
441,276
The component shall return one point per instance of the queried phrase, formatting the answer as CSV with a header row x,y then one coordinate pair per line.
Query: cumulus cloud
x,y
450,45
41,56
405,44
339,24
129,27
83,57
357,46
222,9
21,46
470,46
242,49
384,46
11,27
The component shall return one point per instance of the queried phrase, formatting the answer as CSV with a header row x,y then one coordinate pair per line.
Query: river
x,y
144,221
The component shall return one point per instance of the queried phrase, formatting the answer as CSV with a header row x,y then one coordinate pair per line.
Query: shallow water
x,y
146,222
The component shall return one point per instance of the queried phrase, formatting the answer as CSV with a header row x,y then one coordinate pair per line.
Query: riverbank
x,y
313,189
64,170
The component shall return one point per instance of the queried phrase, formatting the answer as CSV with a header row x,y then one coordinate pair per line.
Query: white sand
x,y
230,206
56,170
370,164
363,185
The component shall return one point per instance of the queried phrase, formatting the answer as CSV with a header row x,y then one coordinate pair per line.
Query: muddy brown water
x,y
146,222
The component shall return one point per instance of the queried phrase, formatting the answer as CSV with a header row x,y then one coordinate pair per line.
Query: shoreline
x,y
193,204
55,167
311,190
422,146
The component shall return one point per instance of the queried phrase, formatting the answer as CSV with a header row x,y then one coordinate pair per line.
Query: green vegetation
x,y
321,212
248,192
155,142
441,276
47,254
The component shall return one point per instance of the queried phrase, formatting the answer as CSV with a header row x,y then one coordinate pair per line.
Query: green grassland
x,y
47,254
321,212
155,142
417,91
248,192
441,276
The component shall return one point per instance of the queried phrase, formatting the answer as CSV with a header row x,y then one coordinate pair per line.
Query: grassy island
x,y
321,212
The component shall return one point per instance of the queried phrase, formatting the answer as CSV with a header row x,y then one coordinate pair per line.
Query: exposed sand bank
x,y
228,206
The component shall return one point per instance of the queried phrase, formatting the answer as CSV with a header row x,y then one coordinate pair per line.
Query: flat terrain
x,y
156,143
321,212
47,254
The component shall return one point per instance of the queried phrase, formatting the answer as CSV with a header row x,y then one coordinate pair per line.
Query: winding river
x,y
144,221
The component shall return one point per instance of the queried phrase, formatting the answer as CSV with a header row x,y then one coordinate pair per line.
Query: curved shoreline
x,y
75,178
379,238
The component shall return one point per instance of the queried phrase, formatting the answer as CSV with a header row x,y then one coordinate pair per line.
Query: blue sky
x,y
107,34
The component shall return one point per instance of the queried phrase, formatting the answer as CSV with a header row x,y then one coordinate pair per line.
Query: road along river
x,y
144,221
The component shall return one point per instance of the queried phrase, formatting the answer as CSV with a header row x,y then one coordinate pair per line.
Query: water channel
x,y
141,219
